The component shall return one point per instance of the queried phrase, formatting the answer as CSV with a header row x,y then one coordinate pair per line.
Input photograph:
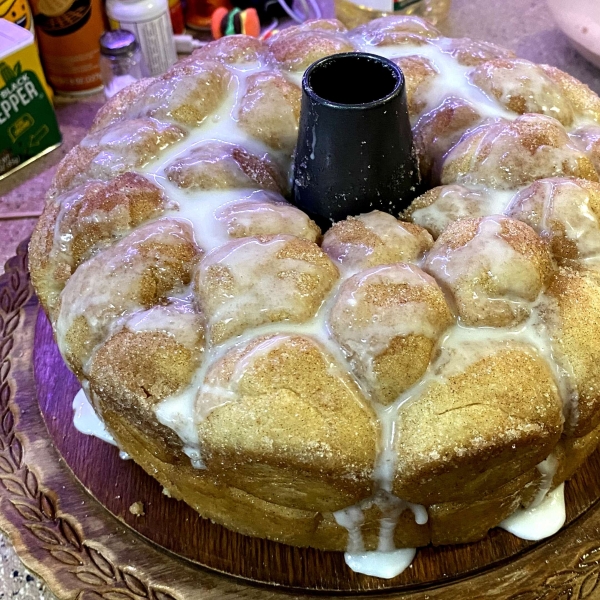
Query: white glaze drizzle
x,y
385,565
547,469
86,421
541,521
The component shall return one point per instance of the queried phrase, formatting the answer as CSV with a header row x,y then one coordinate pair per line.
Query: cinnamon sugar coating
x,y
440,206
564,212
297,47
298,422
471,53
259,219
495,419
573,319
220,165
116,108
187,93
139,366
523,87
270,110
388,320
493,267
233,49
438,131
109,152
372,239
585,102
78,224
509,154
588,140
396,31
254,281
419,74
140,271
150,364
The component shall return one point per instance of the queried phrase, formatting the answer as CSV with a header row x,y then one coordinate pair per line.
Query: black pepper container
x,y
355,151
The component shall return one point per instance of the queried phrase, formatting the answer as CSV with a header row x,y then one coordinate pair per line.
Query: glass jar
x,y
120,60
356,12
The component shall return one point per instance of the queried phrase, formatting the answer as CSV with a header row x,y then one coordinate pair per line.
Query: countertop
x,y
524,26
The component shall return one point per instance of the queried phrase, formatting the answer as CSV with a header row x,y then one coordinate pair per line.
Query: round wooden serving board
x,y
65,498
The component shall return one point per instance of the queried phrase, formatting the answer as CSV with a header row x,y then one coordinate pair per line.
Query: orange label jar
x,y
198,13
68,32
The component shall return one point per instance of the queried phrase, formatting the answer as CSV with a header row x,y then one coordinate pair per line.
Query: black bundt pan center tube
x,y
333,81
355,152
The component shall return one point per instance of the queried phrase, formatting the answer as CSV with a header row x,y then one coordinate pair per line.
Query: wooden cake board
x,y
84,543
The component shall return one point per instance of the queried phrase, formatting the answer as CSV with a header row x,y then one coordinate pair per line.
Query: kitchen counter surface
x,y
525,26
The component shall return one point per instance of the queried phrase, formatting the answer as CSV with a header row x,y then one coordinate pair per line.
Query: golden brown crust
x,y
573,319
509,154
479,429
243,512
220,165
450,521
138,366
372,239
523,87
270,110
297,422
135,369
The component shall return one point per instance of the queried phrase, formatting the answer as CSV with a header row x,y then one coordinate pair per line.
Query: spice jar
x,y
120,60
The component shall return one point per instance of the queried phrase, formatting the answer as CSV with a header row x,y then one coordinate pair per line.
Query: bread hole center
x,y
353,79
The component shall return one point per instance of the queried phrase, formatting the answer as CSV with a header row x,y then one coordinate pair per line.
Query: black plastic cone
x,y
355,152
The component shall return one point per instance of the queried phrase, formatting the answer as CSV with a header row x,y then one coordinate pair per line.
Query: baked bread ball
x,y
565,213
433,371
506,154
492,269
388,320
254,281
372,239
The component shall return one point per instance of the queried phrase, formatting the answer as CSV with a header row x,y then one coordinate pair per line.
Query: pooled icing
x,y
540,521
86,421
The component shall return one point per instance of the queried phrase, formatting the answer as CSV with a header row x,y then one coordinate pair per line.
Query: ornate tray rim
x,y
65,536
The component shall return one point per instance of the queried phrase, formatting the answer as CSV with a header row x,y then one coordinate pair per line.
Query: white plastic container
x,y
150,21
580,22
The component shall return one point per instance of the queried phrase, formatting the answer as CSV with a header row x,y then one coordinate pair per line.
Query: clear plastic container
x,y
121,60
